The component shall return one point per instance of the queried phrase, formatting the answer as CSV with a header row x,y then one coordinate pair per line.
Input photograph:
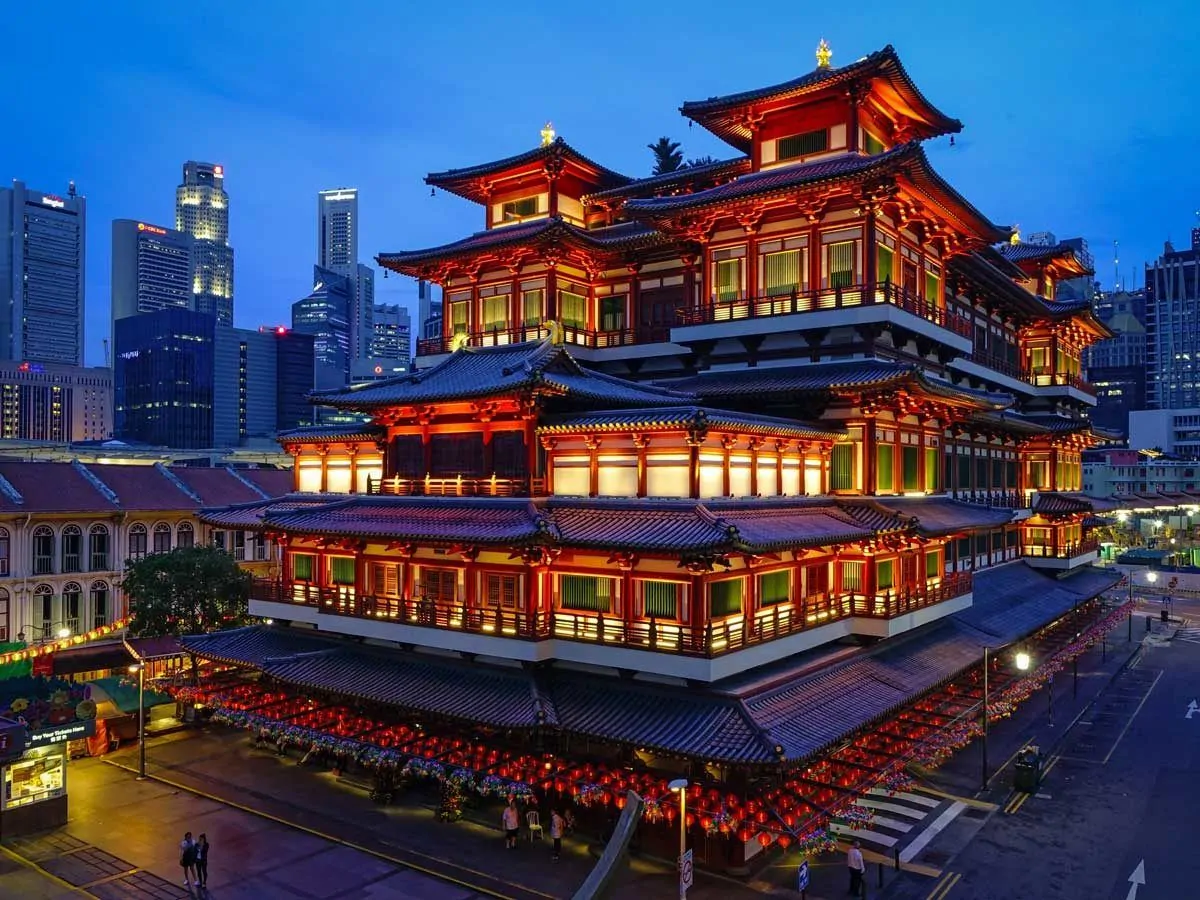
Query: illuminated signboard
x,y
219,171
31,367
62,733
153,229
129,354
56,202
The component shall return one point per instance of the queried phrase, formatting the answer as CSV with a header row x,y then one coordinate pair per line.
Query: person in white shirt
x,y
511,821
557,826
857,867
187,858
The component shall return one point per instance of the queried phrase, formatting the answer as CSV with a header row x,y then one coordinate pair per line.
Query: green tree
x,y
190,590
667,156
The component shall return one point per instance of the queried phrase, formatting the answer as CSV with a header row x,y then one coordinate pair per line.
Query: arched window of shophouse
x,y
43,609
101,604
185,535
98,548
43,550
72,603
5,549
72,549
162,538
137,541
4,626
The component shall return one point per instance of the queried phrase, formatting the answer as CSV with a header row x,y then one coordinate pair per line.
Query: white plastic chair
x,y
535,826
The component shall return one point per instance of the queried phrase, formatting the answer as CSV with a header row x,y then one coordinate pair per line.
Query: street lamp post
x,y
679,786
984,783
140,668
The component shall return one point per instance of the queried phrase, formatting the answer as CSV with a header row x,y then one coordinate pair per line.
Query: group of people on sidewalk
x,y
510,822
193,858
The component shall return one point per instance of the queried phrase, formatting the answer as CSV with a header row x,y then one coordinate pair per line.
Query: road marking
x,y
903,795
943,887
894,808
935,828
1191,710
866,834
1136,880
30,864
1131,718
1012,808
1053,762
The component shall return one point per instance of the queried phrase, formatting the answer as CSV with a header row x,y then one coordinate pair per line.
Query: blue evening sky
x,y
1080,118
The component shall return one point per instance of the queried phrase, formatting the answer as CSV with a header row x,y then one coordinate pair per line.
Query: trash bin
x,y
1164,615
1027,774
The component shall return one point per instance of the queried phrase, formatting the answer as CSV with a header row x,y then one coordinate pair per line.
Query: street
x,y
1118,802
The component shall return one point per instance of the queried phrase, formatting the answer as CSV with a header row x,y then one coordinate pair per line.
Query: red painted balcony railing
x,y
1063,551
850,297
995,499
1063,379
580,337
457,487
725,635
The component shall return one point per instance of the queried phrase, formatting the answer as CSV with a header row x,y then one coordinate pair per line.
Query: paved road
x,y
1119,806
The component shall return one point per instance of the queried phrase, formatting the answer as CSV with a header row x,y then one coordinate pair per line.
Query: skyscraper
x,y
337,251
41,275
151,268
324,314
1173,327
393,334
429,310
202,211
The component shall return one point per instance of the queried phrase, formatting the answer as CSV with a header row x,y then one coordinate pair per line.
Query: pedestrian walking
x,y
557,826
511,822
202,860
187,858
854,862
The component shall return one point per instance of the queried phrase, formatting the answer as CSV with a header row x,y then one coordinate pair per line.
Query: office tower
x,y
393,333
185,380
49,402
151,268
42,275
202,211
337,251
1082,287
1173,327
429,310
325,314
1117,366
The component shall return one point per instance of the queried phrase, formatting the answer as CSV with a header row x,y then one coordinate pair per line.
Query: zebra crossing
x,y
1189,634
904,821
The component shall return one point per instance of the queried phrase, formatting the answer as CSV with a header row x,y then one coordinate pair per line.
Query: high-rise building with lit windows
x,y
42,244
202,211
337,251
151,268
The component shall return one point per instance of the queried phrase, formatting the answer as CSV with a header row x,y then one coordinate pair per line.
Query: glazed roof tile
x,y
144,488
680,178
472,372
623,236
1018,253
250,515
835,376
689,417
323,433
487,695
52,487
217,487
254,645
992,271
772,181
671,721
718,114
456,180
617,525
272,482
942,515
1059,504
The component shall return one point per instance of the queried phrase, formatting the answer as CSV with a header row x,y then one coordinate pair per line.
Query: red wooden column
x,y
870,456
324,451
826,462
857,94
694,440
871,234
516,310
475,318
699,613
754,445
635,299
1053,486
548,445
353,450
551,306
489,458
727,444
294,453
361,580
814,252
593,447
426,451
640,442
626,562
470,577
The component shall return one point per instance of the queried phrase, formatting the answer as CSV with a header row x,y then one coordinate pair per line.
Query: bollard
x,y
1149,624
896,854
880,875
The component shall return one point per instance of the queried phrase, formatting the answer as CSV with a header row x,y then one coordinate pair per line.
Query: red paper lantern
x,y
707,823
761,817
620,801
789,819
743,835
784,841
764,839
691,821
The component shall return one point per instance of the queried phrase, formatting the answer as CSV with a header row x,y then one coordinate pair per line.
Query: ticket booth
x,y
33,776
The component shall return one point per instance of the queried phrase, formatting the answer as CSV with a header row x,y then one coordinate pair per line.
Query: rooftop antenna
x,y
71,188
1116,266
106,362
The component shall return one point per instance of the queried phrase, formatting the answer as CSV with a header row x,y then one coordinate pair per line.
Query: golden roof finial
x,y
547,134
824,54
1015,237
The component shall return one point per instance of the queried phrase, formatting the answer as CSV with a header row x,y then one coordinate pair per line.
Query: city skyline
x,y
1024,158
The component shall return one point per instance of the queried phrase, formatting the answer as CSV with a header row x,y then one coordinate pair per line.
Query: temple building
x,y
697,429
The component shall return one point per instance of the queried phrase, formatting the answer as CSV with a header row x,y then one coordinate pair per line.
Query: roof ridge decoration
x,y
719,114
177,482
247,482
94,480
9,490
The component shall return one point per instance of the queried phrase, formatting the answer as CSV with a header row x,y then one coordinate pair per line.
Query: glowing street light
x,y
63,633
140,670
1023,661
1152,577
